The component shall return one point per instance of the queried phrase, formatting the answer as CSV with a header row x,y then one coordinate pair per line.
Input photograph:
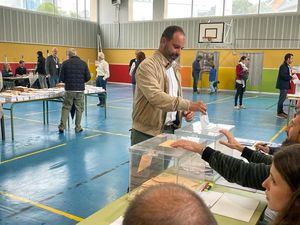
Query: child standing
x,y
212,79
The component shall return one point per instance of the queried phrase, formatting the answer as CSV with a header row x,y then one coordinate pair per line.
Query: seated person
x,y
168,204
234,170
6,71
20,71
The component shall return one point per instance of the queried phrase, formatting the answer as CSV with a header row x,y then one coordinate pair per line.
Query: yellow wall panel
x,y
14,53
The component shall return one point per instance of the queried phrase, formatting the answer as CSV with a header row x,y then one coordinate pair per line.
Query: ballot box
x,y
154,161
209,133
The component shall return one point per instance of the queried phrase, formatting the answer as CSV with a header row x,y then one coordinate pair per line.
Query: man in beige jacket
x,y
158,104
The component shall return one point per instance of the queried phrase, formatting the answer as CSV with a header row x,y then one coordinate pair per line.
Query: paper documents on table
x,y
118,221
223,182
209,197
235,206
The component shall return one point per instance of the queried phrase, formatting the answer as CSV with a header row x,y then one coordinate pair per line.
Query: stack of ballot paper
x,y
230,205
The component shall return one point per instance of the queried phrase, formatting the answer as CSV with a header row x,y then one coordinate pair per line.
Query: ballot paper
x,y
209,197
145,162
204,121
118,221
235,206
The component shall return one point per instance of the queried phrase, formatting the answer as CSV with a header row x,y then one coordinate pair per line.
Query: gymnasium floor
x,y
60,179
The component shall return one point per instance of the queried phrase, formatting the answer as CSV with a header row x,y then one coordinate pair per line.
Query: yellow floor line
x,y
33,153
277,134
45,207
91,136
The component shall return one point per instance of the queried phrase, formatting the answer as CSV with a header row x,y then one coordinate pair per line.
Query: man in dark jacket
x,y
74,73
52,68
196,73
283,83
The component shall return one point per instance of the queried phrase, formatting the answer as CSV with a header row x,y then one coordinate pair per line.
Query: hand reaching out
x,y
188,145
231,141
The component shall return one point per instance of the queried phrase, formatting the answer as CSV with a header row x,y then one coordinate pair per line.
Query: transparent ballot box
x,y
210,134
154,161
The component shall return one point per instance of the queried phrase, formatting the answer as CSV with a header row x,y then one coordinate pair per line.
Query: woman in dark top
x,y
40,70
6,71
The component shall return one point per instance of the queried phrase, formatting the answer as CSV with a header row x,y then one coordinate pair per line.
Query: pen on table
x,y
203,187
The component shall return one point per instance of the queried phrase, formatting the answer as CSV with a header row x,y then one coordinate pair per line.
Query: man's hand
x,y
198,106
189,116
262,147
231,142
188,145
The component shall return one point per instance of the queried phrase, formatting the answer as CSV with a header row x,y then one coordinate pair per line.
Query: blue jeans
x,y
100,82
53,80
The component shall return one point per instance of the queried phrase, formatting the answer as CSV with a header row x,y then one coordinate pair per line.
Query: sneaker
x,y
60,129
236,107
284,113
99,104
242,107
78,131
281,116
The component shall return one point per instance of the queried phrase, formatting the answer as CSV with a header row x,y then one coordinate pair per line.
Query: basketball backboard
x,y
211,32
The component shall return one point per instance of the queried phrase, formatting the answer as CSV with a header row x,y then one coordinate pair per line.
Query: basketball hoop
x,y
208,38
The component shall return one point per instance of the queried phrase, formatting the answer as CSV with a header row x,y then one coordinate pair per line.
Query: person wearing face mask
x,y
102,76
159,105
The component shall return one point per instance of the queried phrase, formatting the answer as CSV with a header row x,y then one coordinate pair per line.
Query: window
x,y
207,8
241,7
66,8
179,8
83,9
142,10
267,6
21,4
45,6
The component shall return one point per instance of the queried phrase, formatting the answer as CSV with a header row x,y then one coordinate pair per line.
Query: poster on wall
x,y
207,60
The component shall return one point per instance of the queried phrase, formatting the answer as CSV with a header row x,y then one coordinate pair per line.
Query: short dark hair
x,y
40,53
169,32
288,56
21,61
243,58
168,204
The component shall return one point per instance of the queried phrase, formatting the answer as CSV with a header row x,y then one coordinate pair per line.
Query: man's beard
x,y
287,142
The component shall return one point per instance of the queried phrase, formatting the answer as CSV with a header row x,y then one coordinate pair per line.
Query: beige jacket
x,y
152,101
